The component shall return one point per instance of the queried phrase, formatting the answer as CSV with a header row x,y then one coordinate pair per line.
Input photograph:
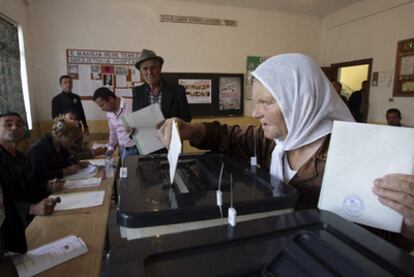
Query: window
x,y
14,91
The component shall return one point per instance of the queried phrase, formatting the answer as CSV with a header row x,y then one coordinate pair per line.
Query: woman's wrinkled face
x,y
267,110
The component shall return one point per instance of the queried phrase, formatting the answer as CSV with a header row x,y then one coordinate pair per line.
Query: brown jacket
x,y
308,179
243,141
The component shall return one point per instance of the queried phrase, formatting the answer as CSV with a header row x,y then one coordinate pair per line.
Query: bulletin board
x,y
92,69
211,94
404,69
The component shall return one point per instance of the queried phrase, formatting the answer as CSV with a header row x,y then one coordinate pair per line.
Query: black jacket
x,y
45,162
18,196
173,102
68,102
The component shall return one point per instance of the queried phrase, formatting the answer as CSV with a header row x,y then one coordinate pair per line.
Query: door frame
x,y
335,67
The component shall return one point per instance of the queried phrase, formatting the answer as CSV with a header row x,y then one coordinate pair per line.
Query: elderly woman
x,y
296,106
49,157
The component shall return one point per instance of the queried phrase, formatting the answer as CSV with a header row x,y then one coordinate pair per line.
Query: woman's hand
x,y
397,192
194,132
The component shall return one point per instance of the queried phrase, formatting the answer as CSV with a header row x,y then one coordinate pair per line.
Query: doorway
x,y
352,75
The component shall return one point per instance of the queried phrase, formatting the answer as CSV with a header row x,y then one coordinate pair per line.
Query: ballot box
x,y
303,243
150,205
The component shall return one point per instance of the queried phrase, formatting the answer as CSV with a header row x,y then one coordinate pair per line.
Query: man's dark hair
x,y
70,110
103,93
9,113
64,77
394,110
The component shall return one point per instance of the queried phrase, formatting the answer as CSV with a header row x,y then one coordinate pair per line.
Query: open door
x,y
352,75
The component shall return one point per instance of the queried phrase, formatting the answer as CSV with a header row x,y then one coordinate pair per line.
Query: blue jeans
x,y
127,151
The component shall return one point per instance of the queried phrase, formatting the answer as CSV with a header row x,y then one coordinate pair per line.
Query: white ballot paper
x,y
69,201
358,154
83,183
145,121
96,162
49,255
84,173
175,150
98,145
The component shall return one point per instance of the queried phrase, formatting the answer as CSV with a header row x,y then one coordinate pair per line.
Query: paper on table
x,y
358,154
175,150
96,162
69,201
83,183
98,145
84,173
49,255
145,121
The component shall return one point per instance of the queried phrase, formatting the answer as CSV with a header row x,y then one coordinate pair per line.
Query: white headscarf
x,y
307,100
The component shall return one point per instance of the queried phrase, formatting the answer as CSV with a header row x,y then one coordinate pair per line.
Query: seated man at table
x,y
49,157
20,201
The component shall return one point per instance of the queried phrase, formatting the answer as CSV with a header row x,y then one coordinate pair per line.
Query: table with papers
x,y
89,224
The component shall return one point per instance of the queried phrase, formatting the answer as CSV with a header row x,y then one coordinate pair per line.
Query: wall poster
x,y
91,69
229,93
198,91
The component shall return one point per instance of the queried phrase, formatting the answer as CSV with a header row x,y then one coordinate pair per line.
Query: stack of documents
x,y
84,173
96,162
83,183
145,121
69,201
49,255
98,145
358,154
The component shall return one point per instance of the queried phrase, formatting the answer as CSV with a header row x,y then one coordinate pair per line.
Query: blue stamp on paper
x,y
353,205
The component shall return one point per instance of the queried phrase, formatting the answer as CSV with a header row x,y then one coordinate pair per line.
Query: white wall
x,y
371,29
131,25
17,11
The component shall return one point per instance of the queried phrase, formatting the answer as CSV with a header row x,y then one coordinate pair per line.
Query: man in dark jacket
x,y
357,102
171,97
21,201
68,101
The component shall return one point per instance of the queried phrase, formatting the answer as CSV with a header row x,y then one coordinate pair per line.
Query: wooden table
x,y
90,224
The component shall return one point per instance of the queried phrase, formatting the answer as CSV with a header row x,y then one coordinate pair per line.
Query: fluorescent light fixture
x,y
23,73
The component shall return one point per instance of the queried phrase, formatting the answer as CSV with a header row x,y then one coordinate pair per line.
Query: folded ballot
x,y
174,151
145,121
358,154
49,255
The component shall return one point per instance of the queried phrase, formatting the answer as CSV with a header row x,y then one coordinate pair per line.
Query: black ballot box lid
x,y
146,197
304,243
